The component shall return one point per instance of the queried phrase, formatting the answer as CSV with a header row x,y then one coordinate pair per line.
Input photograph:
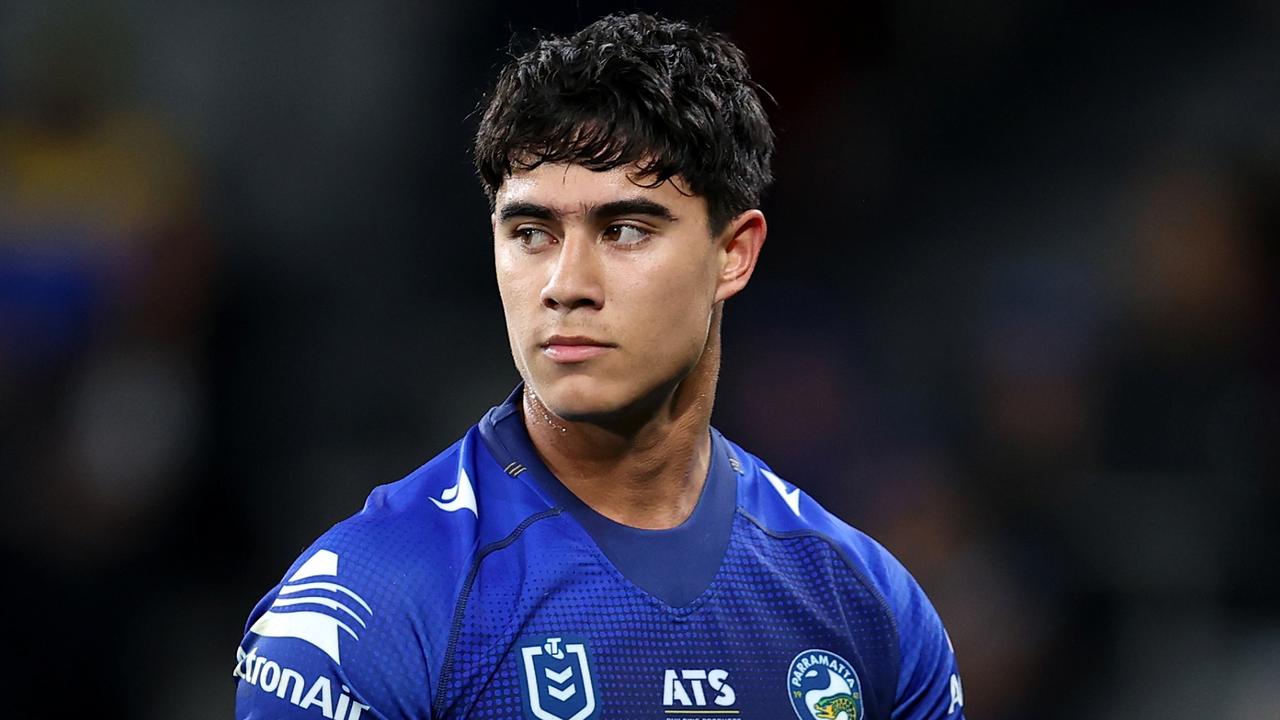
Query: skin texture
x,y
636,270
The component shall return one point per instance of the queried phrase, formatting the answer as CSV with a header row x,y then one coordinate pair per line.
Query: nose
x,y
575,280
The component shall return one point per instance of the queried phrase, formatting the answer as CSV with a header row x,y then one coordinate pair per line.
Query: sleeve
x,y
928,679
336,639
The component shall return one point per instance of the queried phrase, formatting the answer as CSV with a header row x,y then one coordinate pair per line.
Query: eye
x,y
625,235
532,238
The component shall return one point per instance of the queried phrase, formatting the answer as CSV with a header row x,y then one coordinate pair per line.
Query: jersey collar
x,y
645,557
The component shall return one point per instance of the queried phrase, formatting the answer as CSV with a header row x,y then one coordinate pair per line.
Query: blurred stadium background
x,y
1016,318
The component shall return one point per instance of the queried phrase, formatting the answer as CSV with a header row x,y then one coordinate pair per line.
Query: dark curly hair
x,y
673,98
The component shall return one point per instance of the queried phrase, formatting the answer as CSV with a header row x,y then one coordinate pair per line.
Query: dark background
x,y
1016,318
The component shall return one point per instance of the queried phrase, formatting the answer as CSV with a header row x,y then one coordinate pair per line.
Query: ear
x,y
739,249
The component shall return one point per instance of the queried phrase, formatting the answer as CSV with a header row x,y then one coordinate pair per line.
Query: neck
x,y
647,472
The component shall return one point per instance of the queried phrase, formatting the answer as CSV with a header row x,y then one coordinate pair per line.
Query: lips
x,y
574,348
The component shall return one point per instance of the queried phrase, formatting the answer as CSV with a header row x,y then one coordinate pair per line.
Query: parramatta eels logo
x,y
823,686
556,679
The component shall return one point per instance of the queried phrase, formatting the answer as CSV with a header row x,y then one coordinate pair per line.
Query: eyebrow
x,y
604,211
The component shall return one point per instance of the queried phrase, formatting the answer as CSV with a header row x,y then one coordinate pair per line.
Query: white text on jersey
x,y
288,684
687,688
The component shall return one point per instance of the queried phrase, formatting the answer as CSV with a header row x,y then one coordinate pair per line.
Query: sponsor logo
x,y
690,693
313,610
957,694
823,686
556,679
459,497
293,687
790,496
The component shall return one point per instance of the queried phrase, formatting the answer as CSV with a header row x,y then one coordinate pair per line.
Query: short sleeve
x,y
928,679
333,640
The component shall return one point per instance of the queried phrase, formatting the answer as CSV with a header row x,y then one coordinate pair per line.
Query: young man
x,y
592,548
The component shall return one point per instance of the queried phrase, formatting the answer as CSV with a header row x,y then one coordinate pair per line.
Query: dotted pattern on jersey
x,y
772,598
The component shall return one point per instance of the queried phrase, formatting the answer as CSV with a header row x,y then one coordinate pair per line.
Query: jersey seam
x,y
446,668
857,573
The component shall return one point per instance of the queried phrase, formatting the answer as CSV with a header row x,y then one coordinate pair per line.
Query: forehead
x,y
571,188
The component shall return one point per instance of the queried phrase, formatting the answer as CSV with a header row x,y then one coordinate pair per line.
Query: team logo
x,y
555,675
315,610
823,686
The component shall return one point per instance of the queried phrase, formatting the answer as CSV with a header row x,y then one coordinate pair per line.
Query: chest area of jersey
x,y
780,633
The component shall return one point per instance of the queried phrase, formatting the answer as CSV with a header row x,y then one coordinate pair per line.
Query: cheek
x,y
516,284
675,300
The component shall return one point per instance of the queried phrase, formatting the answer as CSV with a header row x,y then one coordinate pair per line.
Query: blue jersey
x,y
480,587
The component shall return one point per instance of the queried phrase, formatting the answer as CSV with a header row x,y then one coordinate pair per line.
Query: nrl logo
x,y
556,679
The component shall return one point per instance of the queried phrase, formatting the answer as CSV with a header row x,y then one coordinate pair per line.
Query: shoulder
x,y
928,684
369,604
418,534
782,509
415,532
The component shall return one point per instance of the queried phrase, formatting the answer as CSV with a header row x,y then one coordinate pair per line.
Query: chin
x,y
582,398
618,403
